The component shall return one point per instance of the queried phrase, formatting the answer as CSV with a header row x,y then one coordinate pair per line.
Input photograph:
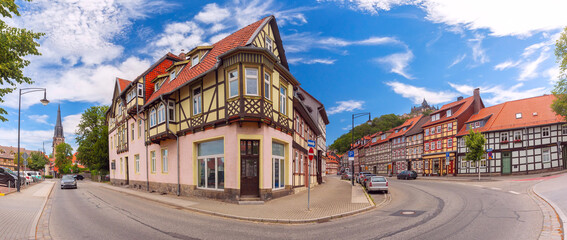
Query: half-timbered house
x,y
305,129
398,143
414,145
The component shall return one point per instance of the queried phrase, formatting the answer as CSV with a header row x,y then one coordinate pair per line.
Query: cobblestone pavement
x,y
329,200
552,229
20,211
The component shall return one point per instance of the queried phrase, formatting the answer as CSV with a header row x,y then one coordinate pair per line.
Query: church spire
x,y
58,126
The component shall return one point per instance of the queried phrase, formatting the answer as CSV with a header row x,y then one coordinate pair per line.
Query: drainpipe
x,y
177,139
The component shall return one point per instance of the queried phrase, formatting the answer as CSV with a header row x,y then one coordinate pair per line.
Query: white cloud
x,y
552,74
506,64
31,140
211,13
311,61
347,127
501,18
417,94
39,118
303,42
70,123
457,60
82,31
346,106
398,63
478,53
529,69
501,93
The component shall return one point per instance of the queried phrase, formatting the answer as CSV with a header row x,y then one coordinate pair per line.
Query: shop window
x,y
278,165
210,160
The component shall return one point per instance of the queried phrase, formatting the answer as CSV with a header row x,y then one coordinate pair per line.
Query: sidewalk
x,y
333,199
21,211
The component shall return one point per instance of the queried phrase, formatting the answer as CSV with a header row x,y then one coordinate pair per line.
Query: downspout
x,y
177,139
145,134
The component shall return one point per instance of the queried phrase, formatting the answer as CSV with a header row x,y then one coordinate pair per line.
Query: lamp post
x,y
356,115
43,101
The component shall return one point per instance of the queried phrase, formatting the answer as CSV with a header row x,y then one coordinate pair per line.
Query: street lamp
x,y
43,101
356,115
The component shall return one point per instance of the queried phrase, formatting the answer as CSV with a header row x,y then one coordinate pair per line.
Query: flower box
x,y
504,142
517,141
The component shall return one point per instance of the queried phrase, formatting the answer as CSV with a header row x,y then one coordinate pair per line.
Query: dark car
x,y
7,177
68,181
408,174
79,177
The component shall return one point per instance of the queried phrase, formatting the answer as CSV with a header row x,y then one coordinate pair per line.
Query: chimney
x,y
460,98
182,54
476,100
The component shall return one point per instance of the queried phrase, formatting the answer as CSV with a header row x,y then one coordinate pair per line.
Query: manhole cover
x,y
407,213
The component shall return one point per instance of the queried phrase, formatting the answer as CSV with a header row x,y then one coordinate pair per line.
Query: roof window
x,y
518,115
194,60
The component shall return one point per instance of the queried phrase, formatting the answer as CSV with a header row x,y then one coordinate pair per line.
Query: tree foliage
x,y
15,44
559,105
92,137
475,142
63,157
382,123
37,161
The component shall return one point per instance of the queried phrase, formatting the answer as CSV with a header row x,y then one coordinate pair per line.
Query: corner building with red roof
x,y
214,122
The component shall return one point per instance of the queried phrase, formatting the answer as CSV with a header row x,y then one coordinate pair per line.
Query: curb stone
x,y
33,232
560,215
547,229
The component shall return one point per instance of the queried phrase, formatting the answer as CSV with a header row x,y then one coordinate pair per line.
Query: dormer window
x,y
172,75
518,115
157,86
449,113
268,43
194,60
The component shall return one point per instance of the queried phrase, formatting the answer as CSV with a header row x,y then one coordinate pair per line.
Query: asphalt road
x,y
555,190
441,211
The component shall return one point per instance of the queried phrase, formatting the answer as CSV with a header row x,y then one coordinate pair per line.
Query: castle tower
x,y
58,137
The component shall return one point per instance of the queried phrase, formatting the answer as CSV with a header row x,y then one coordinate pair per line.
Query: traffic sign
x,y
311,153
25,155
351,155
310,143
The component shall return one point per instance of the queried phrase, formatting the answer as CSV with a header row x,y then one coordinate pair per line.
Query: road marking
x,y
514,192
495,188
477,185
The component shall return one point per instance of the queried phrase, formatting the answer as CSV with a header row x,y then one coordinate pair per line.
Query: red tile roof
x,y
237,39
462,106
408,124
489,112
123,83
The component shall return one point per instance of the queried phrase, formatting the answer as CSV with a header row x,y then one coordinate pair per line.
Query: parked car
x,y
367,178
79,177
7,177
25,178
377,183
30,175
68,181
347,176
361,177
408,174
37,175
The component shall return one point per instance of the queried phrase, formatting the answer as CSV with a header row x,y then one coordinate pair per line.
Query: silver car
x,y
377,183
68,181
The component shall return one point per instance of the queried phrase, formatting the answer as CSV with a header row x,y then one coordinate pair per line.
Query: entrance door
x,y
249,166
564,157
506,163
127,175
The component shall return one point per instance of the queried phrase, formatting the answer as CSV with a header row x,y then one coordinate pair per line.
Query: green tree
x,y
475,142
15,44
382,123
559,105
92,137
37,161
63,157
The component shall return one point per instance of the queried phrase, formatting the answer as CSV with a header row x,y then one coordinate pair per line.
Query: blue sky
x,y
378,56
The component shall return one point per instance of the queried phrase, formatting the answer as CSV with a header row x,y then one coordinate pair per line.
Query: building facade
x,y
414,145
217,121
398,143
305,129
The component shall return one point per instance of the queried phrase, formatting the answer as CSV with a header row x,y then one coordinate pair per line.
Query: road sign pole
x,y
311,154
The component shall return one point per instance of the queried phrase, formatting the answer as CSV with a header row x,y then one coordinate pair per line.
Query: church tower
x,y
58,137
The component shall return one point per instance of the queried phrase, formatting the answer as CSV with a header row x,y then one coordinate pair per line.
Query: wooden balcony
x,y
160,132
248,109
134,105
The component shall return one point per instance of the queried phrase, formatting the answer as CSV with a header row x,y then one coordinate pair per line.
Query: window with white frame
x,y
301,163
504,137
153,161
517,136
419,137
131,95
426,146
172,75
472,164
296,162
546,154
210,160
463,163
283,102
164,162
278,165
132,129
518,115
267,84
161,113
545,132
449,113
157,86
268,43
233,83
449,127
251,81
439,129
477,124
439,144
140,90
137,163
197,101
449,143
194,60
564,129
119,109
153,117
121,165
432,130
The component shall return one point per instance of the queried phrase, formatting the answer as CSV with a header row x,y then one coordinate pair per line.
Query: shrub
x,y
48,176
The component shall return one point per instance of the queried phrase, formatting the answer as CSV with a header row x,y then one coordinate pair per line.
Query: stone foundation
x,y
547,170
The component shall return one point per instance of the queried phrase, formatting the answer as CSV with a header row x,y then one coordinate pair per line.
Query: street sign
x,y
447,158
25,162
25,155
310,143
311,153
351,155
489,153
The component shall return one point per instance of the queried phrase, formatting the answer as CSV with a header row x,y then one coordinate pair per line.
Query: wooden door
x,y
564,156
249,167
506,163
127,175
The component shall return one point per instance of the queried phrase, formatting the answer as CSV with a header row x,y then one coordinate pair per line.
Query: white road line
x,y
495,188
514,192
477,185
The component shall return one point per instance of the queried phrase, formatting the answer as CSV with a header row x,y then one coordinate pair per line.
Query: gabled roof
x,y
122,83
236,41
417,127
408,124
461,107
535,111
